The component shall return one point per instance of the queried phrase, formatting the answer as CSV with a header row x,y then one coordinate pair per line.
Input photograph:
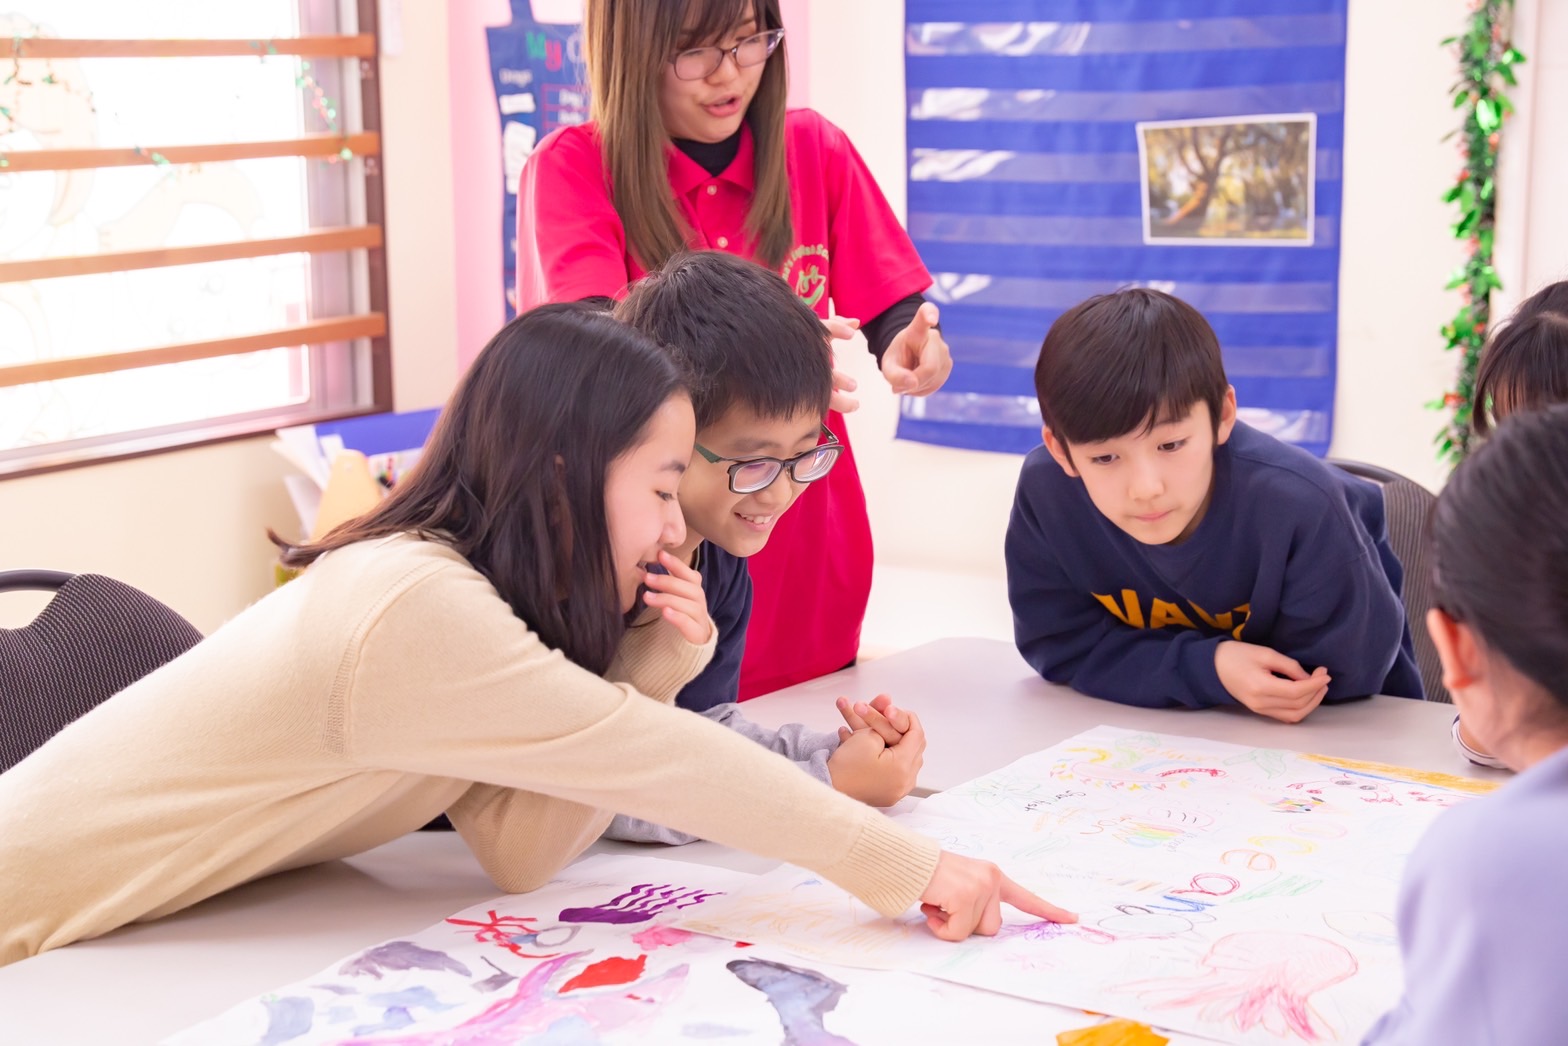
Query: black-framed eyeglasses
x,y
749,475
699,63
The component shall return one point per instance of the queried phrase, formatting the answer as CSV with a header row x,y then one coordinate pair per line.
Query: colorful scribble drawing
x,y
1180,882
534,1008
1233,907
1049,931
1291,804
1128,765
637,905
514,932
1263,979
620,985
1404,774
1135,833
801,997
1348,788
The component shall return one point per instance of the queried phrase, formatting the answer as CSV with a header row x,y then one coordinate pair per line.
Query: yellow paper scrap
x,y
1117,1032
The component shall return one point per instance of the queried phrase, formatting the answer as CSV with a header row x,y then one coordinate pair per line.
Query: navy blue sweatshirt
x,y
727,584
1292,554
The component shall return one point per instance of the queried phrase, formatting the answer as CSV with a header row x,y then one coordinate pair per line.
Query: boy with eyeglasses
x,y
762,373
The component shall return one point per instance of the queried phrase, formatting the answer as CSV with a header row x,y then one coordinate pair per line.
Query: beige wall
x,y
945,509
188,526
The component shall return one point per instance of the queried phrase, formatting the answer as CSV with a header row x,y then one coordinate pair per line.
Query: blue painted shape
x,y
288,1018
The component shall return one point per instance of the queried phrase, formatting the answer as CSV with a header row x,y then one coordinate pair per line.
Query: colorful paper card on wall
x,y
540,86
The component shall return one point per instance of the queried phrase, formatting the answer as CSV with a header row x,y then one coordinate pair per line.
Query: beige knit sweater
x,y
389,683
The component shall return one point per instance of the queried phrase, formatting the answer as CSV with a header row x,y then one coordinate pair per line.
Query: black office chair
x,y
93,639
1406,505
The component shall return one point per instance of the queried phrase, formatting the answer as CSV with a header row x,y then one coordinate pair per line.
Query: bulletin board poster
x,y
1192,146
540,86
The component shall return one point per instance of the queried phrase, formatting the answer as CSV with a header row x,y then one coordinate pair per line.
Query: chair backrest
x,y
1406,505
94,638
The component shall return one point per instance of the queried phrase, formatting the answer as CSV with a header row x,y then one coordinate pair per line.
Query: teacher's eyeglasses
x,y
699,63
749,475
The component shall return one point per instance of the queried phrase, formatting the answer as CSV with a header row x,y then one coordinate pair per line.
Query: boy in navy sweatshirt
x,y
1162,553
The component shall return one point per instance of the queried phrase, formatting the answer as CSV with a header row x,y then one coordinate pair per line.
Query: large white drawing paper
x,y
595,957
1242,894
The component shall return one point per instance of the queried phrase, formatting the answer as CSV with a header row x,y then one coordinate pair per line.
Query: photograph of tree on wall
x,y
1228,181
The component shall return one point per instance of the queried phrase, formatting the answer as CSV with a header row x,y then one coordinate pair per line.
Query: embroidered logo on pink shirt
x,y
806,271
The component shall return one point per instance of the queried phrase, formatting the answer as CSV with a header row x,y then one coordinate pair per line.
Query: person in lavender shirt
x,y
1482,913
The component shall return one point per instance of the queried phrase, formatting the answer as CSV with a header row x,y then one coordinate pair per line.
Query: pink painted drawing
x,y
536,1009
1261,979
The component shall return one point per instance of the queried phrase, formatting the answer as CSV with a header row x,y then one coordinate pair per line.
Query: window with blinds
x,y
191,242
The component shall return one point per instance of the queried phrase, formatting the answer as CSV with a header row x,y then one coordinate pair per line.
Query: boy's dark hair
x,y
1525,366
744,337
1499,547
1126,361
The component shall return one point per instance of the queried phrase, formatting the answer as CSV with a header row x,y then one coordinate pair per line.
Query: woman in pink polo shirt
x,y
690,128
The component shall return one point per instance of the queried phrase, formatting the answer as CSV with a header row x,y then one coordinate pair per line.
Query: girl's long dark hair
x,y
1500,545
1525,364
513,474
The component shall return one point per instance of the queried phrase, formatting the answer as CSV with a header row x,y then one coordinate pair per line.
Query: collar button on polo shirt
x,y
715,206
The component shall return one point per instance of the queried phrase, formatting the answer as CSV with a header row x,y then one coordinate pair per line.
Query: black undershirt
x,y
712,157
880,330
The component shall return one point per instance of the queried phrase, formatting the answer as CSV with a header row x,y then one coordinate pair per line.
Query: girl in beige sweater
x,y
461,648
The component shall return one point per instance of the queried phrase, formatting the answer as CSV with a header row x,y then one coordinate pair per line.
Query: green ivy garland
x,y
1486,64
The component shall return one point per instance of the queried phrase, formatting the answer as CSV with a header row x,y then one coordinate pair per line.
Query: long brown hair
x,y
628,45
519,455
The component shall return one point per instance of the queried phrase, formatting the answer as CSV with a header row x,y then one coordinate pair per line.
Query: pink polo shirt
x,y
813,579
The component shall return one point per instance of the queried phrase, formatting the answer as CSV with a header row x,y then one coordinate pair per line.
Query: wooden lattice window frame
x,y
365,327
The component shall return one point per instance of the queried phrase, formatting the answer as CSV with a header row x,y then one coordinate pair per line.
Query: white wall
x,y
931,507
1532,207
945,509
188,527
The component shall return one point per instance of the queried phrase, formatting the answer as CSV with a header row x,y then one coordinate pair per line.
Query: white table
x,y
982,707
